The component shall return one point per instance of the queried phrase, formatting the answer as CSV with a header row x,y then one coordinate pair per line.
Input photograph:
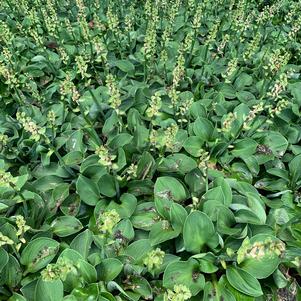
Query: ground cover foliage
x,y
150,150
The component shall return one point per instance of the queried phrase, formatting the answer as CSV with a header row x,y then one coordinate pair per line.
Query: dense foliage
x,y
150,150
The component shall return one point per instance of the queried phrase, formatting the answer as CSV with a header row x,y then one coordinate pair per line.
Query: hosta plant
x,y
150,150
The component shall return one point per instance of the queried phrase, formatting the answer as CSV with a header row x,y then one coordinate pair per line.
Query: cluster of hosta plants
x,y
150,150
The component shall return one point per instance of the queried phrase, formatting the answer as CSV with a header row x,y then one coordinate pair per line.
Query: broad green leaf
x,y
260,255
3,258
161,232
66,225
203,128
106,185
38,253
169,188
186,273
203,231
87,190
126,206
49,290
82,243
244,282
193,145
109,269
125,66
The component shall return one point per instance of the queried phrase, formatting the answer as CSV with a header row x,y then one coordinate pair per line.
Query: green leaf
x,y
125,66
126,207
203,231
186,273
82,243
161,232
11,273
87,190
244,282
261,255
203,128
138,249
294,168
66,225
178,163
38,253
109,269
49,290
106,185
169,188
3,258
193,145
120,140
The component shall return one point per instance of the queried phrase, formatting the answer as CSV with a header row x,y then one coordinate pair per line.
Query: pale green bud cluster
x,y
180,292
252,47
170,136
188,41
68,88
191,6
7,54
212,34
268,12
115,97
33,16
203,160
82,66
183,109
5,33
36,37
113,21
154,259
9,75
196,23
6,179
105,158
68,26
155,105
238,15
98,23
101,50
227,123
32,88
279,86
179,71
295,29
107,221
50,18
21,229
63,55
256,109
280,106
174,96
51,117
148,8
150,40
30,126
165,223
130,19
3,141
277,59
221,46
5,240
59,270
21,225
231,69
131,172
